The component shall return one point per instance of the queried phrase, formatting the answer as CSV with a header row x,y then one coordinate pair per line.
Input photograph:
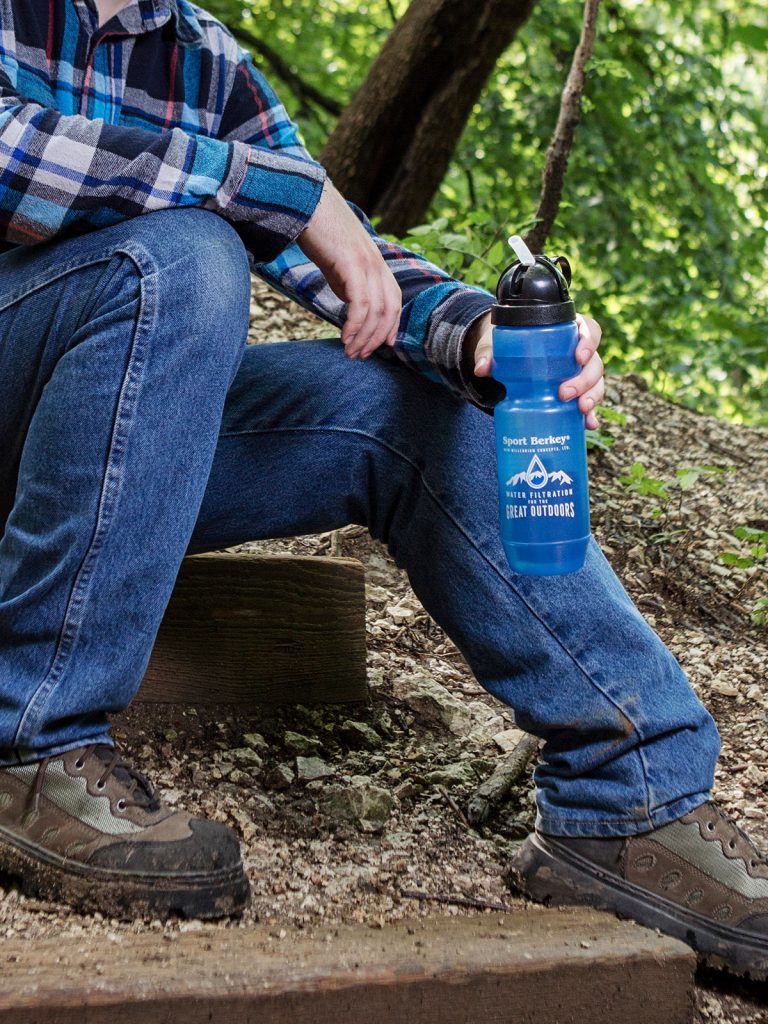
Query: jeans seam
x,y
110,491
102,737
436,500
43,280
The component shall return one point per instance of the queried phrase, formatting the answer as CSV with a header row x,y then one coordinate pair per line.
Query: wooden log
x,y
533,965
250,630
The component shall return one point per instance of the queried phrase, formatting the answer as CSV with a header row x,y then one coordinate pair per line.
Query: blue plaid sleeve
x,y
437,310
62,173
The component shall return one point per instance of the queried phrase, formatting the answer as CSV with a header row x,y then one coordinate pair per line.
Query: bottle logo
x,y
536,475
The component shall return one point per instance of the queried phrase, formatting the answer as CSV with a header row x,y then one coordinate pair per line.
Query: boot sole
x,y
122,894
549,874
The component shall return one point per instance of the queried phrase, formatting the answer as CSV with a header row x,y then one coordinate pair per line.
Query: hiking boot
x,y
700,879
86,828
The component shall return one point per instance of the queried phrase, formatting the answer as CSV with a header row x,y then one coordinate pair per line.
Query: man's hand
x,y
588,384
339,245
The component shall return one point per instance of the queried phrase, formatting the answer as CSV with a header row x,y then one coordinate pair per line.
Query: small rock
x,y
433,703
508,739
259,803
408,790
362,803
310,768
300,745
246,757
256,742
280,777
724,689
459,774
359,735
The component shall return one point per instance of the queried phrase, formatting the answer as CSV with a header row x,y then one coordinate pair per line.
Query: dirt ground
x,y
357,813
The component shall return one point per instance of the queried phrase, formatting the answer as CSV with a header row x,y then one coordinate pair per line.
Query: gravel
x,y
341,810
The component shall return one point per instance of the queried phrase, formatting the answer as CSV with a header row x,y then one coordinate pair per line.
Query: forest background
x,y
663,212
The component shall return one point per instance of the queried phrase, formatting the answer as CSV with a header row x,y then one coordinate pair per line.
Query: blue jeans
x,y
136,427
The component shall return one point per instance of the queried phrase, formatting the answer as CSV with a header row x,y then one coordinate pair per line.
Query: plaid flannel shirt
x,y
161,108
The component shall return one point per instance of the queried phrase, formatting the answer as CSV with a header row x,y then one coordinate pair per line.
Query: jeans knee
x,y
197,254
199,270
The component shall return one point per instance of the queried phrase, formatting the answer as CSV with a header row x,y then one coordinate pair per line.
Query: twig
x,y
730,454
454,806
562,140
495,789
470,186
457,901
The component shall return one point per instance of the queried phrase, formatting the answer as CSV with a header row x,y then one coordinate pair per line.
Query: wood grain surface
x,y
533,965
251,629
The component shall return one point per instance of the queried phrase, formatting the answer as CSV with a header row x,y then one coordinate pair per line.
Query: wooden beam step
x,y
533,965
252,629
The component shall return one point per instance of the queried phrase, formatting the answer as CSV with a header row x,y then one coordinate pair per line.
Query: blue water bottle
x,y
540,440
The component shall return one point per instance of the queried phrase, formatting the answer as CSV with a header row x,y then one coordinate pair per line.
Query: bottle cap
x,y
533,290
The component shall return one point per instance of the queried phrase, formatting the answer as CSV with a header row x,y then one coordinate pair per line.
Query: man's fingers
x,y
588,378
593,397
370,330
590,334
384,317
390,324
386,323
357,298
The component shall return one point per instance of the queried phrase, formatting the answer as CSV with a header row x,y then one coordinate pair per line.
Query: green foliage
x,y
757,542
760,612
754,553
639,481
642,483
665,207
603,438
665,200
472,249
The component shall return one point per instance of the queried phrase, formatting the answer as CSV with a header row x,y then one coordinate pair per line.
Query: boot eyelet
x,y
731,845
120,805
101,785
79,765
710,826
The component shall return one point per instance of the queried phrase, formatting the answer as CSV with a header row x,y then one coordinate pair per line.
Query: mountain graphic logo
x,y
536,475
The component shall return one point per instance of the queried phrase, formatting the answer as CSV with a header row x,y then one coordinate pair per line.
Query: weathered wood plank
x,y
535,966
250,630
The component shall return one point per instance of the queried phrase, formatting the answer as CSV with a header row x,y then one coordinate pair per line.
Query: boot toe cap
x,y
211,848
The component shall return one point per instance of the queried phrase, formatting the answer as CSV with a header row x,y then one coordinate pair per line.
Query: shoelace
x,y
758,857
116,762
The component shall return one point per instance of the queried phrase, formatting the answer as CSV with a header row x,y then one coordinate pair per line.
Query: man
x,y
145,163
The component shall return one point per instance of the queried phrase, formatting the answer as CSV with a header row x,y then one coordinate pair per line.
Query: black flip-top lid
x,y
533,294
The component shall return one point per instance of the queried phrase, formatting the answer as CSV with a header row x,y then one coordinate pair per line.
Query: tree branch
x,y
392,11
303,90
559,150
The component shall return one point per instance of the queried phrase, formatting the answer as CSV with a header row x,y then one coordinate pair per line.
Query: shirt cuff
x,y
448,328
271,196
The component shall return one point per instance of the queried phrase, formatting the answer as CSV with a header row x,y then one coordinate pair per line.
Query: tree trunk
x,y
559,150
393,143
